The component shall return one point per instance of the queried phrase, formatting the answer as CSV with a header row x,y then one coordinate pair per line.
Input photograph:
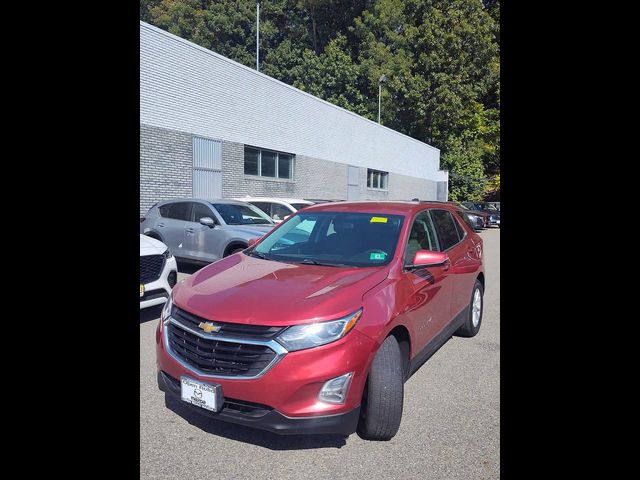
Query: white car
x,y
277,208
158,272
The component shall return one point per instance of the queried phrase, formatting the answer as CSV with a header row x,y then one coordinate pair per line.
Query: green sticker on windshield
x,y
377,256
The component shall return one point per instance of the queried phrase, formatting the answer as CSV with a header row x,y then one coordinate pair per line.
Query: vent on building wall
x,y
207,168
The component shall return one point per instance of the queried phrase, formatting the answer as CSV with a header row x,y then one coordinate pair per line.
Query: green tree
x,y
463,158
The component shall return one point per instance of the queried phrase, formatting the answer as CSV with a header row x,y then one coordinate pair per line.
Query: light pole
x,y
381,80
258,35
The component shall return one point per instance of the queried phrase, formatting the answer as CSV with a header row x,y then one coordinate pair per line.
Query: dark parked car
x,y
486,207
484,216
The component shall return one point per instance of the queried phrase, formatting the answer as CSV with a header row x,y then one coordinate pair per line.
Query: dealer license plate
x,y
204,395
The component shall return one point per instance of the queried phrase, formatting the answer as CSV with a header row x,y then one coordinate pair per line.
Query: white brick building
x,y
210,127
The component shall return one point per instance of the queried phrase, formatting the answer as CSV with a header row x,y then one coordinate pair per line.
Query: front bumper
x,y
265,418
157,292
290,388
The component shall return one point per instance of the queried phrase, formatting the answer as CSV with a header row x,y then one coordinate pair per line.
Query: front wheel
x,y
381,409
471,326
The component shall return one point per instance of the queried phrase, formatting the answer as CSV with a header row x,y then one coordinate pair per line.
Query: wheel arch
x,y
232,245
154,234
403,337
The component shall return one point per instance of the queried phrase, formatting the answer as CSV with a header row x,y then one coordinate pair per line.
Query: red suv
x,y
316,327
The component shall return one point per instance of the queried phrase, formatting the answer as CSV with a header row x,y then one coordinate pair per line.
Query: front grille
x,y
150,268
153,294
238,330
217,357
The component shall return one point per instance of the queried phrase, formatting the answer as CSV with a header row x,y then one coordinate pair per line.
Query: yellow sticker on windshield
x,y
378,220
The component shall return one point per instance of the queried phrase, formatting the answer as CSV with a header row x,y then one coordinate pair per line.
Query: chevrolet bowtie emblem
x,y
209,327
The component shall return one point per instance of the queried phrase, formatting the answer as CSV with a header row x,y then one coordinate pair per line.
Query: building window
x,y
377,180
268,163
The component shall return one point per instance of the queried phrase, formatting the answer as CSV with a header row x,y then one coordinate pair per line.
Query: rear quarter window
x,y
164,211
446,227
465,218
459,228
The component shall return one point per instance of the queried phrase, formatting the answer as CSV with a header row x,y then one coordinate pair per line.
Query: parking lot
x,y
450,427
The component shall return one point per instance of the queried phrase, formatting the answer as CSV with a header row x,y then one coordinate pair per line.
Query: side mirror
x,y
253,241
427,258
208,221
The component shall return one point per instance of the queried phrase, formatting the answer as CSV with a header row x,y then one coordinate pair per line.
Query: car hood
x,y
151,246
244,289
249,231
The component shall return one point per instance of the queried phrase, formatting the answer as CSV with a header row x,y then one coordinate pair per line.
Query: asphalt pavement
x,y
450,426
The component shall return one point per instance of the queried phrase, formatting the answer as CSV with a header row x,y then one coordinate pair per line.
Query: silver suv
x,y
204,230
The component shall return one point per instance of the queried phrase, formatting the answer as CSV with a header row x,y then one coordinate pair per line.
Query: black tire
x,y
467,329
235,250
381,409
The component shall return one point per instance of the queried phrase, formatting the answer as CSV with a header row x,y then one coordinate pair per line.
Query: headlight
x,y
166,310
311,335
167,254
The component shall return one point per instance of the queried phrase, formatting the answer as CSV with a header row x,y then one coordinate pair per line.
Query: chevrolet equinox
x,y
315,327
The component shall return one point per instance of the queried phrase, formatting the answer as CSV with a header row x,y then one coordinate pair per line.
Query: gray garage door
x,y
353,190
207,168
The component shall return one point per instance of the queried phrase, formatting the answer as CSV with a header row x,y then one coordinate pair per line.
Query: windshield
x,y
237,214
299,206
334,238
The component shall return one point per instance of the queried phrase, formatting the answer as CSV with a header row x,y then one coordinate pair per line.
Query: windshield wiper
x,y
261,255
311,261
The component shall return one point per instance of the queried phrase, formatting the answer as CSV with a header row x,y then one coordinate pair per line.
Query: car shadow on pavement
x,y
261,438
150,313
189,267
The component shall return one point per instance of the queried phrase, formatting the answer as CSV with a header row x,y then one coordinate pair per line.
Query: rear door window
x,y
180,211
446,228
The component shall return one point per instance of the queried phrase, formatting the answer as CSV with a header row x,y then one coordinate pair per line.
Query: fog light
x,y
335,390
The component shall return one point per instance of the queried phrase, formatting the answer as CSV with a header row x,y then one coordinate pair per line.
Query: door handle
x,y
161,224
190,230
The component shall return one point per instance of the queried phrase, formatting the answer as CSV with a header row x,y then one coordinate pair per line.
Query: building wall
x,y
166,165
403,187
166,171
188,88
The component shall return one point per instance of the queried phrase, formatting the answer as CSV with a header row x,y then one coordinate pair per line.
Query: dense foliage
x,y
440,58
